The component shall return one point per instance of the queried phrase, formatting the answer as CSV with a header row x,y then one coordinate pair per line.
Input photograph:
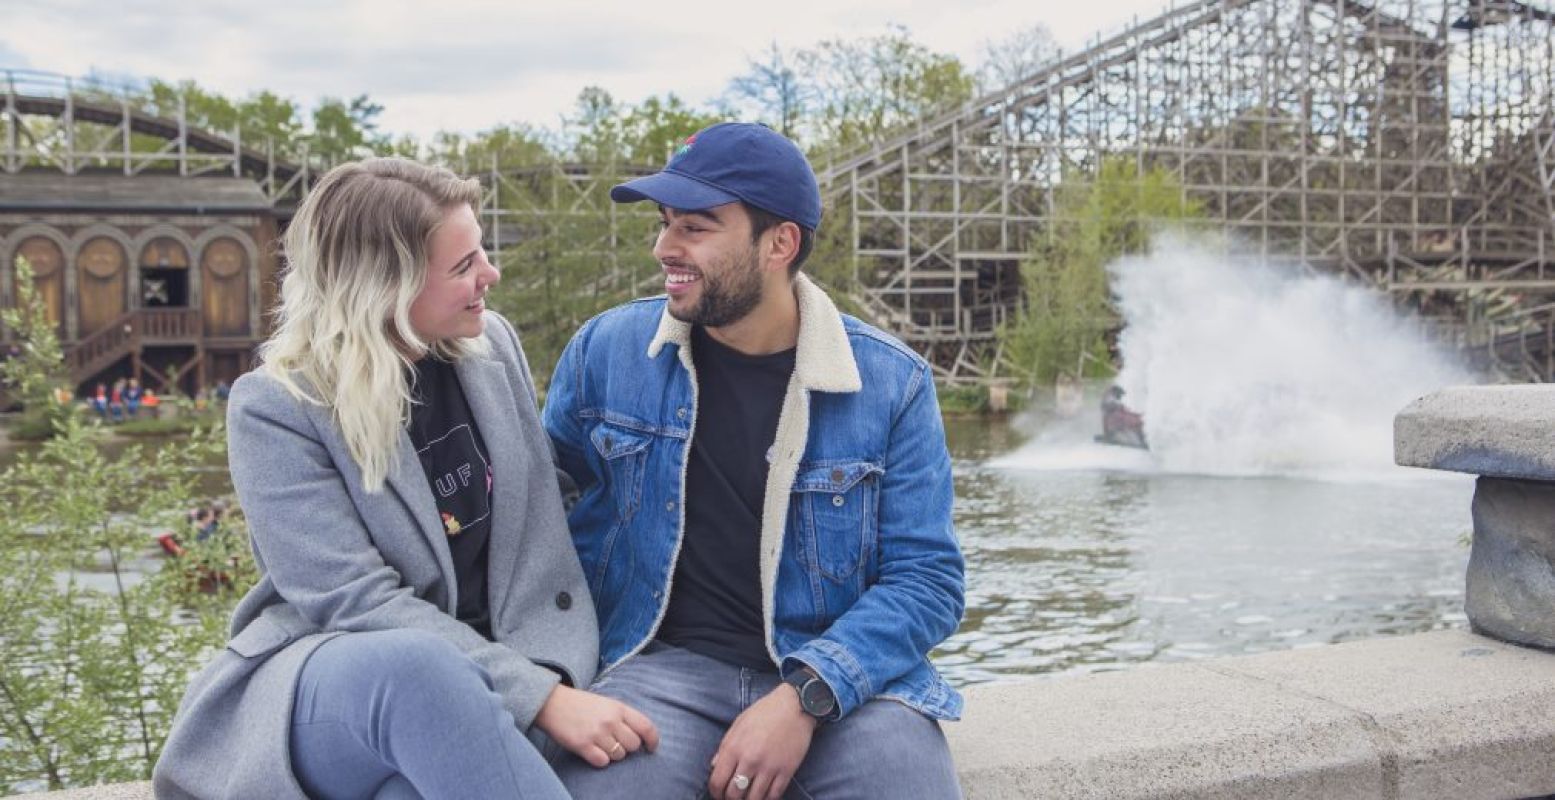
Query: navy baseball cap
x,y
733,161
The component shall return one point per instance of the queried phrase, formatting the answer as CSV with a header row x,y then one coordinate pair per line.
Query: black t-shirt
x,y
453,454
715,604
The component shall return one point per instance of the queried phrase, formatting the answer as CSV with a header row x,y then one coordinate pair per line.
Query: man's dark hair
x,y
763,221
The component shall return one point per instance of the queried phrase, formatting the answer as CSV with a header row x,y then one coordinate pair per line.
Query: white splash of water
x,y
1242,368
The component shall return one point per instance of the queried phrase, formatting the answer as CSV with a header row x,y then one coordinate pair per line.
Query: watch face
x,y
817,698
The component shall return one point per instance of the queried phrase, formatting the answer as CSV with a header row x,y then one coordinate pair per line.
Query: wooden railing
x,y
169,324
125,334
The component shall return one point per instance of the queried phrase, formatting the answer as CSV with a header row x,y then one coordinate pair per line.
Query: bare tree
x,y
771,87
1008,60
865,88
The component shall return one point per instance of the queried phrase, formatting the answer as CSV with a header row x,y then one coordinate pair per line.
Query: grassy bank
x,y
976,400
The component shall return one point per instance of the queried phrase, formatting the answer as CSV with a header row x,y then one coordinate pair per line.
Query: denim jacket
x,y
861,573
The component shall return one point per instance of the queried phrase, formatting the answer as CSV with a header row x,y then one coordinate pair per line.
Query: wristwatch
x,y
815,697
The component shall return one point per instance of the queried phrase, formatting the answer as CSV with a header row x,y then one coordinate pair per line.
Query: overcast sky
x,y
465,65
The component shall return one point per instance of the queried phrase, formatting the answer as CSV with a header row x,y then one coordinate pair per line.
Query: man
x,y
765,510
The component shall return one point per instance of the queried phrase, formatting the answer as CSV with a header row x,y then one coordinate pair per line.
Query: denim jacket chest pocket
x,y
623,452
833,510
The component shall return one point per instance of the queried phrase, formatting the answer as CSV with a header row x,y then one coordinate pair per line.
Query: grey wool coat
x,y
335,559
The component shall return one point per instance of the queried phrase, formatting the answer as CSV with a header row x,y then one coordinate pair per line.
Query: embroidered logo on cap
x,y
685,148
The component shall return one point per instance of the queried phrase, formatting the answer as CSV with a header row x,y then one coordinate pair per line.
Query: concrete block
x,y
1171,732
1461,715
1511,580
1505,431
112,791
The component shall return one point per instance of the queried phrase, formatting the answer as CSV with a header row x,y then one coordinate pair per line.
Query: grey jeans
x,y
882,749
402,714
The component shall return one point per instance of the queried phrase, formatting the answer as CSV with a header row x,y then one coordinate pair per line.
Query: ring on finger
x,y
614,748
742,782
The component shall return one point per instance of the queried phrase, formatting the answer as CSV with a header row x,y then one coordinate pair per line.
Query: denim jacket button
x,y
837,500
680,413
670,506
608,442
836,476
563,601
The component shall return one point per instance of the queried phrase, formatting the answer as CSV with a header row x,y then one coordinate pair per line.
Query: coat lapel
x,y
490,395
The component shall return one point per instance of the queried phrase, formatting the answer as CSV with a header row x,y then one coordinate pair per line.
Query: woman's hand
x,y
597,729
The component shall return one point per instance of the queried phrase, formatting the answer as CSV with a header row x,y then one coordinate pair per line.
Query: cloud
x,y
11,58
467,65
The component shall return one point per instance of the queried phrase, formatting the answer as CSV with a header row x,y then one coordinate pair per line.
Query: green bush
x,y
36,370
30,427
97,640
963,399
184,423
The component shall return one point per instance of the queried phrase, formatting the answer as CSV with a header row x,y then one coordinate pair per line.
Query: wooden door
x,y
101,283
48,276
224,290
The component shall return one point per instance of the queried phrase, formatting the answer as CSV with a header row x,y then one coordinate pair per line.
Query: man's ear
x,y
783,243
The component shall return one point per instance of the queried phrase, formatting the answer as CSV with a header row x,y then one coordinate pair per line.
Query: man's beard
x,y
727,298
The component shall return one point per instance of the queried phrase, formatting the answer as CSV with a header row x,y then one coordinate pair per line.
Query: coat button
x,y
836,476
563,601
837,500
680,413
608,442
670,506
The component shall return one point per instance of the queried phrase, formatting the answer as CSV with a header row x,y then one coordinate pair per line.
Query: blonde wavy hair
x,y
356,257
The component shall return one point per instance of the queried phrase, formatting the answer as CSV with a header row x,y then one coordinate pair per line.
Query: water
x,y
1102,567
1267,514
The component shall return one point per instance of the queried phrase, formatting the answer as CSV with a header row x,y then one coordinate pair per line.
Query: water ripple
x,y
1074,571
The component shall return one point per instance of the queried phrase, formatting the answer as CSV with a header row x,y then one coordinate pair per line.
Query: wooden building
x,y
158,277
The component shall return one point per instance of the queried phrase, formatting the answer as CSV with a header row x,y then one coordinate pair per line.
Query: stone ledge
x,y
1443,714
1501,431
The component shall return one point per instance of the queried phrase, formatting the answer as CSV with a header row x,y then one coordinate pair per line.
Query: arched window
x,y
164,274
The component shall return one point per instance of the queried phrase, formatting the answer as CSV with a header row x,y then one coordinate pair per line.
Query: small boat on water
x,y
1121,425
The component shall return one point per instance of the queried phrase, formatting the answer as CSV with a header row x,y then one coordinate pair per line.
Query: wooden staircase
x,y
126,335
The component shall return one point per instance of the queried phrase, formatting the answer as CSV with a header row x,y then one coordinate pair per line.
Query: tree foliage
x,y
35,367
845,92
96,642
345,129
867,88
1064,324
605,132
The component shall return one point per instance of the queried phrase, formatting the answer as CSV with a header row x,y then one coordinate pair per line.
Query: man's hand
x,y
766,744
596,728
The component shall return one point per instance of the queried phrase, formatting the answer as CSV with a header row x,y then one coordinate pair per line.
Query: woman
x,y
420,605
